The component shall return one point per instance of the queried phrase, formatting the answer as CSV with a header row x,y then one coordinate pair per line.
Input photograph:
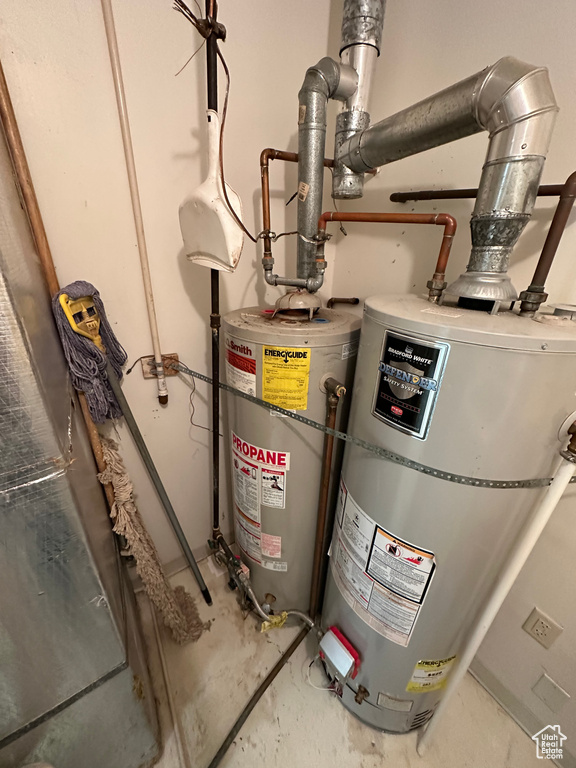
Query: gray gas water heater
x,y
415,554
467,392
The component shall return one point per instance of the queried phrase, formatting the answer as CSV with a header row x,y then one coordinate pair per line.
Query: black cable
x,y
245,714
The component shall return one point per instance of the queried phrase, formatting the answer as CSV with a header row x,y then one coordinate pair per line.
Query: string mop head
x,y
89,343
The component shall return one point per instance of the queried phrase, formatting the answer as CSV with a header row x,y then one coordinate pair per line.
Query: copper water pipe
x,y
265,156
535,294
438,283
334,391
28,194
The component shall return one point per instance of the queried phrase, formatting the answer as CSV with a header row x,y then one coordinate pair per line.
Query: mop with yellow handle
x,y
95,359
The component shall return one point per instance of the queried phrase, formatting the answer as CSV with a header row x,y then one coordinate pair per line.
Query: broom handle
x,y
155,477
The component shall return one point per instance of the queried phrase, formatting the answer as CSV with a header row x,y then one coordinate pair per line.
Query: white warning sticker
x,y
259,480
241,366
248,536
273,483
271,545
359,583
246,487
399,566
350,349
357,531
383,578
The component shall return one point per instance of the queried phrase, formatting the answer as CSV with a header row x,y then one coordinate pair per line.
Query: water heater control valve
x,y
342,660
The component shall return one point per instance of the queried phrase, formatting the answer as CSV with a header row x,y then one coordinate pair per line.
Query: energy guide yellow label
x,y
285,376
430,675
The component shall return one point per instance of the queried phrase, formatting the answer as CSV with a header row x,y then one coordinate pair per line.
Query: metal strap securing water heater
x,y
383,453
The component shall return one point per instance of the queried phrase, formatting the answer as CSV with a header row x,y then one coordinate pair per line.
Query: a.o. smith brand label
x,y
241,366
408,380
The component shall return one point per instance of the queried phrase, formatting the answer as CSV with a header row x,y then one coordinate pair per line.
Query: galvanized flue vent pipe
x,y
348,82
362,23
515,103
326,80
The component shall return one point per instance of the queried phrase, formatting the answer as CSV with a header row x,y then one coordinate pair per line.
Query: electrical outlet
x,y
148,365
542,628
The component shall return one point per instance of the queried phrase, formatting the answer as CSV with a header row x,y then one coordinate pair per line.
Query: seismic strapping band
x,y
383,453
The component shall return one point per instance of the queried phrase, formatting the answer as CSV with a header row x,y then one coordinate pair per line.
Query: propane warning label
x,y
430,675
383,578
259,480
285,376
241,366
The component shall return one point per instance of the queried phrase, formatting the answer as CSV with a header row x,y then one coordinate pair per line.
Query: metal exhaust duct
x,y
325,80
362,24
515,103
349,82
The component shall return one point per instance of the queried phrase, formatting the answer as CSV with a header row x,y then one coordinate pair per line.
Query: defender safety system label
x,y
259,479
383,578
409,377
285,376
241,366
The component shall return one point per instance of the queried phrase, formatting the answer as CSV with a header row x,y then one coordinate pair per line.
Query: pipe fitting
x,y
334,387
342,300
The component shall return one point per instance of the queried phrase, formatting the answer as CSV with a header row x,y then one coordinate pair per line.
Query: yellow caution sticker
x,y
430,675
285,376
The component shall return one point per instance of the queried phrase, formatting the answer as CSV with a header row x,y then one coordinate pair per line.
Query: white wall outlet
x,y
542,628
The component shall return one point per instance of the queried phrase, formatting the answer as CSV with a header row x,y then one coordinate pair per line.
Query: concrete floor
x,y
294,724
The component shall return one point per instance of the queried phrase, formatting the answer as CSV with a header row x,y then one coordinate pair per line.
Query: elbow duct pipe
x,y
325,80
515,103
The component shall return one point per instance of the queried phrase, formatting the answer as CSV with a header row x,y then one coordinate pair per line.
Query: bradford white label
x,y
409,377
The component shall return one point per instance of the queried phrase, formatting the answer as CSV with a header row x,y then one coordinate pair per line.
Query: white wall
x,y
56,64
